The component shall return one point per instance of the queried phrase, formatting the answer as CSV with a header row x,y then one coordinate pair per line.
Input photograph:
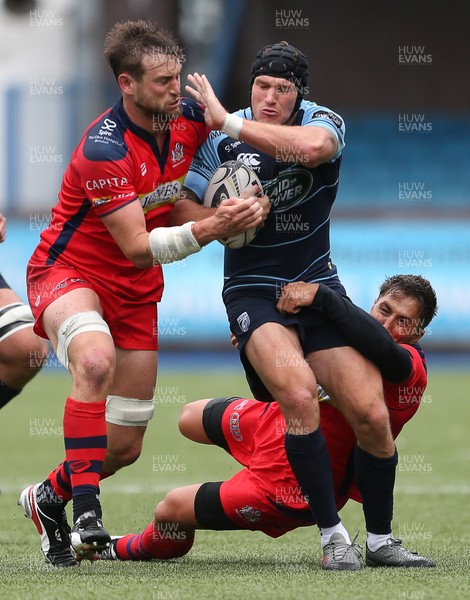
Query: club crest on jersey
x,y
250,514
243,321
177,154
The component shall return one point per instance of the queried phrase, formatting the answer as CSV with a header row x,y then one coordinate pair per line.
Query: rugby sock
x,y
375,541
309,459
85,449
7,393
162,540
59,479
327,532
375,478
60,482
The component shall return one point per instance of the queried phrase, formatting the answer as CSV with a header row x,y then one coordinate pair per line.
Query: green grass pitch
x,y
431,507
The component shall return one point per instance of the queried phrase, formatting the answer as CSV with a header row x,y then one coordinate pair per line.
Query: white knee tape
x,y
14,317
129,412
89,320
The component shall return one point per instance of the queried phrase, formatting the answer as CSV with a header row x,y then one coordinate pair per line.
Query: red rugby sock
x,y
163,541
85,444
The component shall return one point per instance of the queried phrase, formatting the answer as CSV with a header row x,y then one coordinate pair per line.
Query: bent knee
x,y
168,510
373,421
190,421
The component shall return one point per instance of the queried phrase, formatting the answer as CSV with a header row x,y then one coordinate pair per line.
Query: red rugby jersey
x,y
115,163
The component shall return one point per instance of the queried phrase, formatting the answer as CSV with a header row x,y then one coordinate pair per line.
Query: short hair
x,y
416,287
127,42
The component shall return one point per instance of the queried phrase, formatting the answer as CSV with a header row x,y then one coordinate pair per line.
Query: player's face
x,y
272,99
400,316
158,93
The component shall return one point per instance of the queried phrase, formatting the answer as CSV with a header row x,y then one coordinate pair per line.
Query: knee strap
x,y
82,322
14,317
129,412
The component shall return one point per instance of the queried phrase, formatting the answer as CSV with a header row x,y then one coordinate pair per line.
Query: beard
x,y
161,119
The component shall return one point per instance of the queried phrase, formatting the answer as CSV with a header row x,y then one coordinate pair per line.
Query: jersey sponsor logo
x,y
250,514
243,321
143,169
234,422
250,159
289,189
107,127
162,194
331,116
99,184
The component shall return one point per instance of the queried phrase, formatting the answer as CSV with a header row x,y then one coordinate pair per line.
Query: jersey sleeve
x,y
366,334
204,163
320,116
108,186
102,169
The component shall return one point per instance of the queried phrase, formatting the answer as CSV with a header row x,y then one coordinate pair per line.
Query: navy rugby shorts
x,y
248,311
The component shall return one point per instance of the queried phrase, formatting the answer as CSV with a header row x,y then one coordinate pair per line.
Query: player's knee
x,y
301,409
372,422
190,419
169,509
95,366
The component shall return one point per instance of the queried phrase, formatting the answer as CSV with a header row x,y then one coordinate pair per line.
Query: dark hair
x,y
127,42
416,287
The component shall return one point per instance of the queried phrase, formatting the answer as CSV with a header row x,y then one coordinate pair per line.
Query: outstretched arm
x,y
316,144
359,328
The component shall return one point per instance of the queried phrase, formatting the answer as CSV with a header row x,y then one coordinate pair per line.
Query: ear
x,y
126,83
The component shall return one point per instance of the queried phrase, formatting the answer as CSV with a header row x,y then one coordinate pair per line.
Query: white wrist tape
x,y
232,126
168,244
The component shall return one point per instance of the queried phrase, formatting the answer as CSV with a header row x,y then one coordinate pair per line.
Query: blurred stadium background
x,y
395,73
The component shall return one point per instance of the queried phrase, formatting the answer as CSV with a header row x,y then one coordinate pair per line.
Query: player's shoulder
x,y
315,112
417,355
104,139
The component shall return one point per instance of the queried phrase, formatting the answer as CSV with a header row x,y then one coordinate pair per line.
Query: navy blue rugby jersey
x,y
294,244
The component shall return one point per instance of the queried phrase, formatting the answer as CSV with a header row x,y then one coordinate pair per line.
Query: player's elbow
x,y
319,152
141,259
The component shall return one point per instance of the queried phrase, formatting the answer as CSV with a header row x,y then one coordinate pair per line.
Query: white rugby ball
x,y
231,179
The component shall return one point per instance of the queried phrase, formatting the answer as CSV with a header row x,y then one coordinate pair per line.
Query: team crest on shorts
x,y
243,321
250,514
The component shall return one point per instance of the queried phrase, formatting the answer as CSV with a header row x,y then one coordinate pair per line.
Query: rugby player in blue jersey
x,y
295,146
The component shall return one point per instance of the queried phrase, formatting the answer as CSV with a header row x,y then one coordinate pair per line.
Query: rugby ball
x,y
231,179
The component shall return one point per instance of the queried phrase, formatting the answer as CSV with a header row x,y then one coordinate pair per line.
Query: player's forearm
x,y
186,210
309,146
365,334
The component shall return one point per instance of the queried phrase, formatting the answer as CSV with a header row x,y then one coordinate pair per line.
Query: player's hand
x,y
265,204
233,341
295,295
3,228
234,216
202,92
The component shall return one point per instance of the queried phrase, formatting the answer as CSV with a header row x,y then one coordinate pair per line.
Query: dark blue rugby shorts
x,y
248,311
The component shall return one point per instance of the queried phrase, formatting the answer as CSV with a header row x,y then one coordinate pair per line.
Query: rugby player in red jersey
x,y
95,278
265,496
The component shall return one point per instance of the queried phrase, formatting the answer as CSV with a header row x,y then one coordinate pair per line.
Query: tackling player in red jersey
x,y
265,495
96,276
